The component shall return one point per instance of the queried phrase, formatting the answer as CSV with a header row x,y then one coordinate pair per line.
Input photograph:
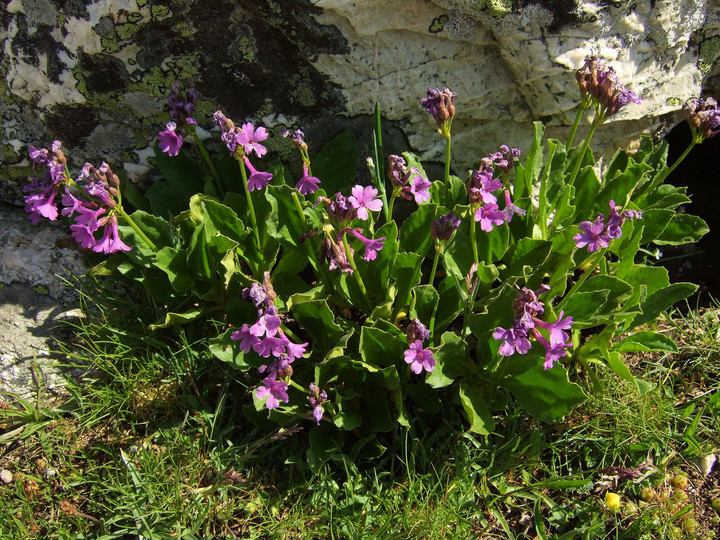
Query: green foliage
x,y
210,241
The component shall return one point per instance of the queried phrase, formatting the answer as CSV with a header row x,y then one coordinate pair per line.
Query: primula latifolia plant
x,y
518,280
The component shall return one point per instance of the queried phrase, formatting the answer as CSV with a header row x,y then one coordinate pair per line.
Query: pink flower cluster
x,y
483,184
598,234
408,183
341,212
417,356
527,307
267,339
92,199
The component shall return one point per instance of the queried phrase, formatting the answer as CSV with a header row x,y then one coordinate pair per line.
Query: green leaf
x,y
587,187
415,231
528,253
324,442
155,228
621,186
473,402
449,305
225,349
406,274
683,229
285,222
646,341
655,222
380,348
451,361
424,303
618,367
336,162
458,255
661,300
221,219
184,177
533,162
178,318
318,320
174,263
546,394
375,273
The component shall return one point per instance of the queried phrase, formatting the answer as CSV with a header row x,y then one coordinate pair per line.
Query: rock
x,y
33,299
6,476
706,463
87,72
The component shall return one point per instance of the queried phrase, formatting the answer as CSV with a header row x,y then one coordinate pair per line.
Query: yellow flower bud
x,y
613,501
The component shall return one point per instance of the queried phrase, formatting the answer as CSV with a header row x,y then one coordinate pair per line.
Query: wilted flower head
x,y
182,107
316,398
444,227
417,331
440,105
704,118
601,85
297,137
396,170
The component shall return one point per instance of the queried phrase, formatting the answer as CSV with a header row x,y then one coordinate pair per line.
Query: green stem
x,y
562,207
575,125
356,274
448,147
679,160
253,219
119,210
583,150
473,236
210,164
310,253
598,257
438,248
388,214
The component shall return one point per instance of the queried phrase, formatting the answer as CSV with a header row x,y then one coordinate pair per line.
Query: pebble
x,y
6,476
707,463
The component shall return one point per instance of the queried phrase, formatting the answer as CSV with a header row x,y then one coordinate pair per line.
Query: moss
x,y
438,24
41,289
673,101
159,12
109,45
495,7
9,156
707,53
127,31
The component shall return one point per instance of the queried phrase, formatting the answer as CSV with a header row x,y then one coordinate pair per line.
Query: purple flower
x,y
294,350
593,235
274,390
397,169
83,235
599,84
515,339
420,188
489,215
267,324
443,228
419,358
704,118
255,293
246,338
372,246
363,199
257,179
39,157
553,352
42,205
270,346
334,252
307,184
110,241
417,331
510,209
250,138
169,141
440,104
316,399
557,328
181,107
